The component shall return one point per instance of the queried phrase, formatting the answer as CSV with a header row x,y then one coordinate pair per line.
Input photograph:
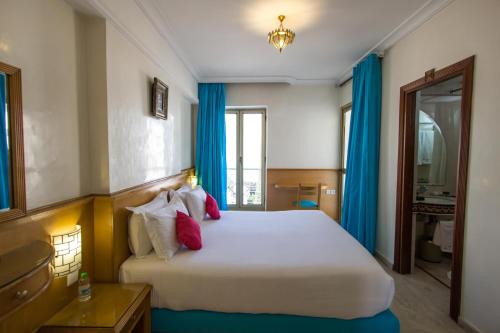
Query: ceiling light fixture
x,y
281,37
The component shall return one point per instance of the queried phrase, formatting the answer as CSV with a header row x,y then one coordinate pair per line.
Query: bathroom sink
x,y
438,200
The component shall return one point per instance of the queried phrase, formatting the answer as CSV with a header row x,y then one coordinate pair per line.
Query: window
x,y
345,123
245,156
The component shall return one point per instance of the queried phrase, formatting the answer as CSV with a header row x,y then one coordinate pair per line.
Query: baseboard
x,y
384,259
468,327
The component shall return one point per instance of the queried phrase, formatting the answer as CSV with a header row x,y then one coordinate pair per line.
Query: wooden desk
x,y
112,308
295,187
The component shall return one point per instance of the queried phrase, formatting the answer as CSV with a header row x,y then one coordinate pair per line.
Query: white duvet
x,y
292,262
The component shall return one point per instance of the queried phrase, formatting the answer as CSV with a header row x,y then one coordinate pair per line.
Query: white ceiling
x,y
226,40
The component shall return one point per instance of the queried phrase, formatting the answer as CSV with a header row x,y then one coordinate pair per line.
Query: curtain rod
x,y
380,56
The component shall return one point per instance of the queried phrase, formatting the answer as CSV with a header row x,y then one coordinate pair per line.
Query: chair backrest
x,y
308,196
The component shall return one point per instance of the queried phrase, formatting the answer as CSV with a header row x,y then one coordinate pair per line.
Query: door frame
x,y
406,153
240,111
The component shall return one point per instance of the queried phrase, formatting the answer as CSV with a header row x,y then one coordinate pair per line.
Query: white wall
x,y
87,98
44,39
302,122
462,29
142,148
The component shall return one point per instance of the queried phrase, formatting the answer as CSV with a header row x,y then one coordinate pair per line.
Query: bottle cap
x,y
84,275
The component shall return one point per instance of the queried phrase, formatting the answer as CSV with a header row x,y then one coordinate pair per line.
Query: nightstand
x,y
113,308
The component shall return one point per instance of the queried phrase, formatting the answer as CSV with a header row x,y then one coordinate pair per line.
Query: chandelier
x,y
281,37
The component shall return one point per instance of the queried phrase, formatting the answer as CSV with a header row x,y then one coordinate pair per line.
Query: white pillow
x,y
138,238
160,225
181,192
196,203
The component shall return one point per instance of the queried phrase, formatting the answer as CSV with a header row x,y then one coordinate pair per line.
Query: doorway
x,y
246,158
431,188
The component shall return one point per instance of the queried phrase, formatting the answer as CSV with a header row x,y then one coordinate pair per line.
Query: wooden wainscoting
x,y
104,223
111,222
282,199
38,225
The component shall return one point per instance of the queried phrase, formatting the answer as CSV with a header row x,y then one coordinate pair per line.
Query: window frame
x,y
240,112
343,110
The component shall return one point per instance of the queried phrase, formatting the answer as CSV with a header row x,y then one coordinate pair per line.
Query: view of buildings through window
x,y
245,157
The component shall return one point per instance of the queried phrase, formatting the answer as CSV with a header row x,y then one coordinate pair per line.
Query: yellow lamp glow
x,y
68,252
193,180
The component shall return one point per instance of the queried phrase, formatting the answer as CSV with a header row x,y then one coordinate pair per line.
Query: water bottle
x,y
84,287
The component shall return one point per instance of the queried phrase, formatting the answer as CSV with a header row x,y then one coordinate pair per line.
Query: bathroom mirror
x,y
12,182
437,136
431,153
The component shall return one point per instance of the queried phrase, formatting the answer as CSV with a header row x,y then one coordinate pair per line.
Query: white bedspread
x,y
293,262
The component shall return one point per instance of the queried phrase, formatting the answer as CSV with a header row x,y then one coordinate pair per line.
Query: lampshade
x,y
281,37
68,252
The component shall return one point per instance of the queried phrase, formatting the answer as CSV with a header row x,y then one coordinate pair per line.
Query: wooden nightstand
x,y
112,308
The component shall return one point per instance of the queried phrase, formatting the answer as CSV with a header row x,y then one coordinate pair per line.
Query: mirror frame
x,y
17,171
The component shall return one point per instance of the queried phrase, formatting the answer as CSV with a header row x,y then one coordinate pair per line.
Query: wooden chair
x,y
308,196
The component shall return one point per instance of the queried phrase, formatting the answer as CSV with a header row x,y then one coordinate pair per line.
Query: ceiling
x,y
226,40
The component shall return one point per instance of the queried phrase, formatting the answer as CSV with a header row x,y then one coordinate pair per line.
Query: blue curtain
x,y
211,141
359,210
4,152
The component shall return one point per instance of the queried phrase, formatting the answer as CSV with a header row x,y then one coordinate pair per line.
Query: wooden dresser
x,y
25,273
113,308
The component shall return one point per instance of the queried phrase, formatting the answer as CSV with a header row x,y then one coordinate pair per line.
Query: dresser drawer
x,y
23,291
136,316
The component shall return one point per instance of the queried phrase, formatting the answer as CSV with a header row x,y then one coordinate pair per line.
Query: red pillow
x,y
188,231
212,208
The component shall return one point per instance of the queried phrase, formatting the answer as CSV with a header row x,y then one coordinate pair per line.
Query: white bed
x,y
292,262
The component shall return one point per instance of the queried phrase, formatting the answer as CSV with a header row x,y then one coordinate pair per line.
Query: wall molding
x,y
412,23
468,327
184,172
266,79
87,197
384,259
302,169
100,7
155,17
159,22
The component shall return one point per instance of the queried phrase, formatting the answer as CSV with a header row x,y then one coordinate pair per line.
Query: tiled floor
x,y
437,270
421,303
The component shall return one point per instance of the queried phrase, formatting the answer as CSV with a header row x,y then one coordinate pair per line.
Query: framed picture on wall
x,y
160,99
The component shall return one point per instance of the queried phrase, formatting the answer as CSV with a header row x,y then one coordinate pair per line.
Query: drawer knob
x,y
20,295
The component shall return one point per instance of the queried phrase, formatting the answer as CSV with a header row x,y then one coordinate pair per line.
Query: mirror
x,y
4,144
431,153
12,179
437,134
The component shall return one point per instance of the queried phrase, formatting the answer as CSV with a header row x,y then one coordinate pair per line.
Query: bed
x,y
267,270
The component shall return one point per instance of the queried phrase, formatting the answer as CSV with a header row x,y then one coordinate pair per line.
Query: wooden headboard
x,y
111,223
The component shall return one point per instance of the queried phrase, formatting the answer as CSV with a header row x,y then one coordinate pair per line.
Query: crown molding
x,y
160,23
100,7
265,79
154,15
412,23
